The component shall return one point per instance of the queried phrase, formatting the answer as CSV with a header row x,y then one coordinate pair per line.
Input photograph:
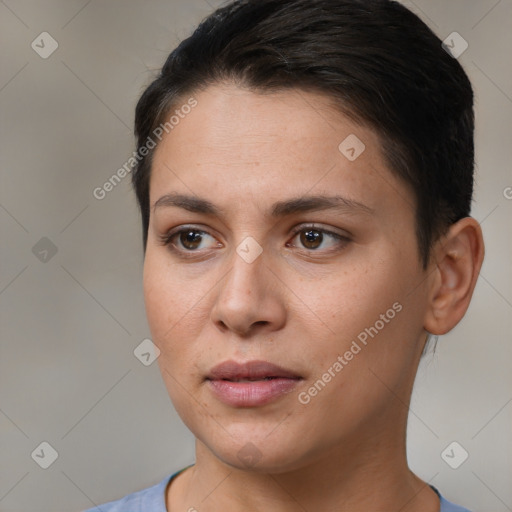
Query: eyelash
x,y
167,239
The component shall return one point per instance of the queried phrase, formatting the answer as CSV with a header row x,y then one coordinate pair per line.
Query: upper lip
x,y
250,370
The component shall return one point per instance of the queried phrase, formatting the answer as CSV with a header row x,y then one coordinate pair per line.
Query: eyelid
x,y
165,238
317,227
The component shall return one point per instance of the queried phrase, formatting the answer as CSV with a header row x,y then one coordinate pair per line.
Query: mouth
x,y
250,384
249,380
250,371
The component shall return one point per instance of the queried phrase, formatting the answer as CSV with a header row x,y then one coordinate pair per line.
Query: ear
x,y
457,257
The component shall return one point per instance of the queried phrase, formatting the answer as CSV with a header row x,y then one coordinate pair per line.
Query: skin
x,y
299,304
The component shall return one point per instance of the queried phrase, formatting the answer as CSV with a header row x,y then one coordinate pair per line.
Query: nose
x,y
250,299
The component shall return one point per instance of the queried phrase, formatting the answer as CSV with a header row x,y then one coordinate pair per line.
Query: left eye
x,y
312,238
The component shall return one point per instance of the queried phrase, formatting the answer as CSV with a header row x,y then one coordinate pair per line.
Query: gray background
x,y
70,323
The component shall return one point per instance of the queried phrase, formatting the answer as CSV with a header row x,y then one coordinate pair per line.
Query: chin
x,y
251,450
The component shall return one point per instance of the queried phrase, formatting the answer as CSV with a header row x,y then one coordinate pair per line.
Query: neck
x,y
367,473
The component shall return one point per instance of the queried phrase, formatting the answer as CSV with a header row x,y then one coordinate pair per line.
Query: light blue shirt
x,y
152,499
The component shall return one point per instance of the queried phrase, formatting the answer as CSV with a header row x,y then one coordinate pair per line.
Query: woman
x,y
304,173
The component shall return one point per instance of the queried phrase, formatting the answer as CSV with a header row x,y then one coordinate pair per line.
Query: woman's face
x,y
332,291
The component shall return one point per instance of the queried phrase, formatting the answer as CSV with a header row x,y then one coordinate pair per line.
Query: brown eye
x,y
311,238
315,239
190,239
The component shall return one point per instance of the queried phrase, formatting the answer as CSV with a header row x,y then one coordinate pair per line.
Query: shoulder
x,y
448,506
151,498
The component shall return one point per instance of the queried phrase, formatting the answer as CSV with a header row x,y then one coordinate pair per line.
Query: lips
x,y
249,371
251,384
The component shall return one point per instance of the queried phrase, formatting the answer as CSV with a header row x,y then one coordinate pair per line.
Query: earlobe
x,y
458,257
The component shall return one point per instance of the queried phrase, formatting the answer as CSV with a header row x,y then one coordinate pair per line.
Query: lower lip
x,y
251,394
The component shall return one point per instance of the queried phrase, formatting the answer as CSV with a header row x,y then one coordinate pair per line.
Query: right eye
x,y
186,239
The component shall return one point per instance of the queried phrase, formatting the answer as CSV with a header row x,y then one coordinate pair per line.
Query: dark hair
x,y
378,62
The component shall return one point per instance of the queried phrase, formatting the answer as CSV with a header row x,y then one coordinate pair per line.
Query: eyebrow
x,y
279,209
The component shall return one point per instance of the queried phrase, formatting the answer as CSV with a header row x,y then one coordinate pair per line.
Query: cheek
x,y
177,310
352,299
169,297
165,311
369,309
171,322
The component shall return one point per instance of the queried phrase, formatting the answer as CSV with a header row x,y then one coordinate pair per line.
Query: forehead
x,y
236,145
